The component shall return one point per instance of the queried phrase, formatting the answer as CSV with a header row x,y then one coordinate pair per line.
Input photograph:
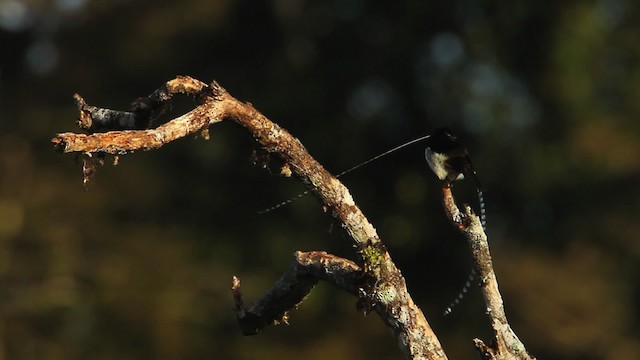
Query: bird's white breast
x,y
437,163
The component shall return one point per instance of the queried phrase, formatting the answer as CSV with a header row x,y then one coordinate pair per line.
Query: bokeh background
x,y
545,94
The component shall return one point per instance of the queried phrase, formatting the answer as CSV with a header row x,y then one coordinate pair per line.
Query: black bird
x,y
448,159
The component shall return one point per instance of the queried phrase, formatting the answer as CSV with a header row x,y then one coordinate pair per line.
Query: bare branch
x,y
290,290
381,287
123,142
143,110
506,344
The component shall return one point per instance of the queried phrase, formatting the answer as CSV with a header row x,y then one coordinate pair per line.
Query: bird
x,y
450,161
448,158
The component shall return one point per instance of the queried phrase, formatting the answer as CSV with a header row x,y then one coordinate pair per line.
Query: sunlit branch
x,y
380,285
506,344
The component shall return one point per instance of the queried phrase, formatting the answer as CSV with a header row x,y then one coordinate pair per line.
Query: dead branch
x,y
306,269
380,288
125,141
376,280
506,344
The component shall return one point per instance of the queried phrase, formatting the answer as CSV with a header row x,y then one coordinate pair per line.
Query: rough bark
x,y
506,344
374,277
307,268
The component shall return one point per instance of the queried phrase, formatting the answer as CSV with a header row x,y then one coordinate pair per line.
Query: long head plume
x,y
467,169
353,168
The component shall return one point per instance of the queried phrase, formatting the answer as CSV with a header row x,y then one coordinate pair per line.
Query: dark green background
x,y
546,95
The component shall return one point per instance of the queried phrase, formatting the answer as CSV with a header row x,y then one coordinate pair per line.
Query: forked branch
x,y
374,277
381,287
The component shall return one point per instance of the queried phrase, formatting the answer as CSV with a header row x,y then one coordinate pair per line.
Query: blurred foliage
x,y
544,93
